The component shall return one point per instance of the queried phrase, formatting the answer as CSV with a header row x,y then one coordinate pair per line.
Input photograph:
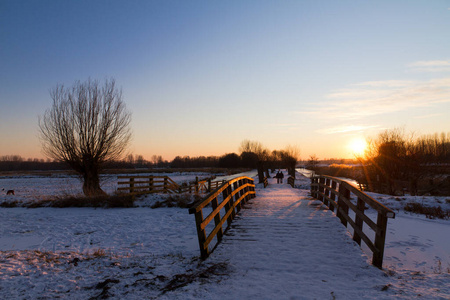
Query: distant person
x,y
281,177
278,177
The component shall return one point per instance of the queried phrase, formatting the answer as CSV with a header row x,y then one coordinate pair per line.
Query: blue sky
x,y
201,76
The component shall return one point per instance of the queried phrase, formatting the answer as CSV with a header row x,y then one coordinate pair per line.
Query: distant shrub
x,y
182,201
81,201
430,212
8,204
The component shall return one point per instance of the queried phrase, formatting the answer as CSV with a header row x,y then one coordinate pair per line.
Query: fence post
x,y
132,188
229,204
150,184
343,193
333,195
327,192
196,185
204,252
209,185
236,184
165,184
358,220
214,205
380,237
321,188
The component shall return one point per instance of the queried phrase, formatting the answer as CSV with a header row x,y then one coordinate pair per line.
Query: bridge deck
x,y
287,245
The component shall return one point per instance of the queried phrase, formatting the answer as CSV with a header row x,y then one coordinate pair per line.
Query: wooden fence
x,y
233,194
328,189
140,185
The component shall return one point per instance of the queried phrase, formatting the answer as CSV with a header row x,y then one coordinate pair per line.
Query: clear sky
x,y
201,76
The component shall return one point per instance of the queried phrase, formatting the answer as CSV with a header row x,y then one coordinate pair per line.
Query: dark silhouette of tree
x,y
231,160
249,160
87,126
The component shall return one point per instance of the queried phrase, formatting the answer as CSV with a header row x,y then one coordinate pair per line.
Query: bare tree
x,y
87,126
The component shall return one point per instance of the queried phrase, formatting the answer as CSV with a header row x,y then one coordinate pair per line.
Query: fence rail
x,y
140,185
327,189
234,193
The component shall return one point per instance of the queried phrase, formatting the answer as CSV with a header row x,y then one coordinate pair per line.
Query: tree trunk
x,y
91,185
260,172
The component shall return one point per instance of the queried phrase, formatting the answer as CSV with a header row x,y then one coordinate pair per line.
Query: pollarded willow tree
x,y
87,126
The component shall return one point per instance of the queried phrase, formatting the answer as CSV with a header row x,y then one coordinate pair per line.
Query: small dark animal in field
x,y
9,192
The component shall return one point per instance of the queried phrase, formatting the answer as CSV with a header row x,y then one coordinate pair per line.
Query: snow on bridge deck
x,y
286,245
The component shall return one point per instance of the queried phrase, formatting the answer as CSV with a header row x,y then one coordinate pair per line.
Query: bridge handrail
x,y
234,192
291,181
327,188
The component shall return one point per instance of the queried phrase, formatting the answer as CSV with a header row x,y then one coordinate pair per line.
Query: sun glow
x,y
358,146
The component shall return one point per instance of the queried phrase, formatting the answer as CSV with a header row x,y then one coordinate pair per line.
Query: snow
x,y
283,245
32,188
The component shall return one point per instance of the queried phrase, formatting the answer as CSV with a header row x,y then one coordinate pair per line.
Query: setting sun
x,y
358,146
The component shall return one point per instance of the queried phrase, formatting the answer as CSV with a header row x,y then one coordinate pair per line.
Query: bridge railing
x,y
233,194
336,194
291,181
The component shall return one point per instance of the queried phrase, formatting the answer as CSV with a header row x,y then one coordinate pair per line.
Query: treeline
x,y
18,163
252,154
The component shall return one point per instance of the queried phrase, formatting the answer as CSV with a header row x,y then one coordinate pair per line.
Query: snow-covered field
x,y
144,253
31,188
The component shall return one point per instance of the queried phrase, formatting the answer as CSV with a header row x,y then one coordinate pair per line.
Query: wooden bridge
x,y
285,244
282,216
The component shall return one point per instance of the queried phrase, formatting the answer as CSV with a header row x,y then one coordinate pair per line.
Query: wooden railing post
x,y
132,188
245,190
165,184
204,251
333,195
217,219
380,237
150,188
342,208
209,185
196,185
321,188
327,192
238,195
358,220
229,205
